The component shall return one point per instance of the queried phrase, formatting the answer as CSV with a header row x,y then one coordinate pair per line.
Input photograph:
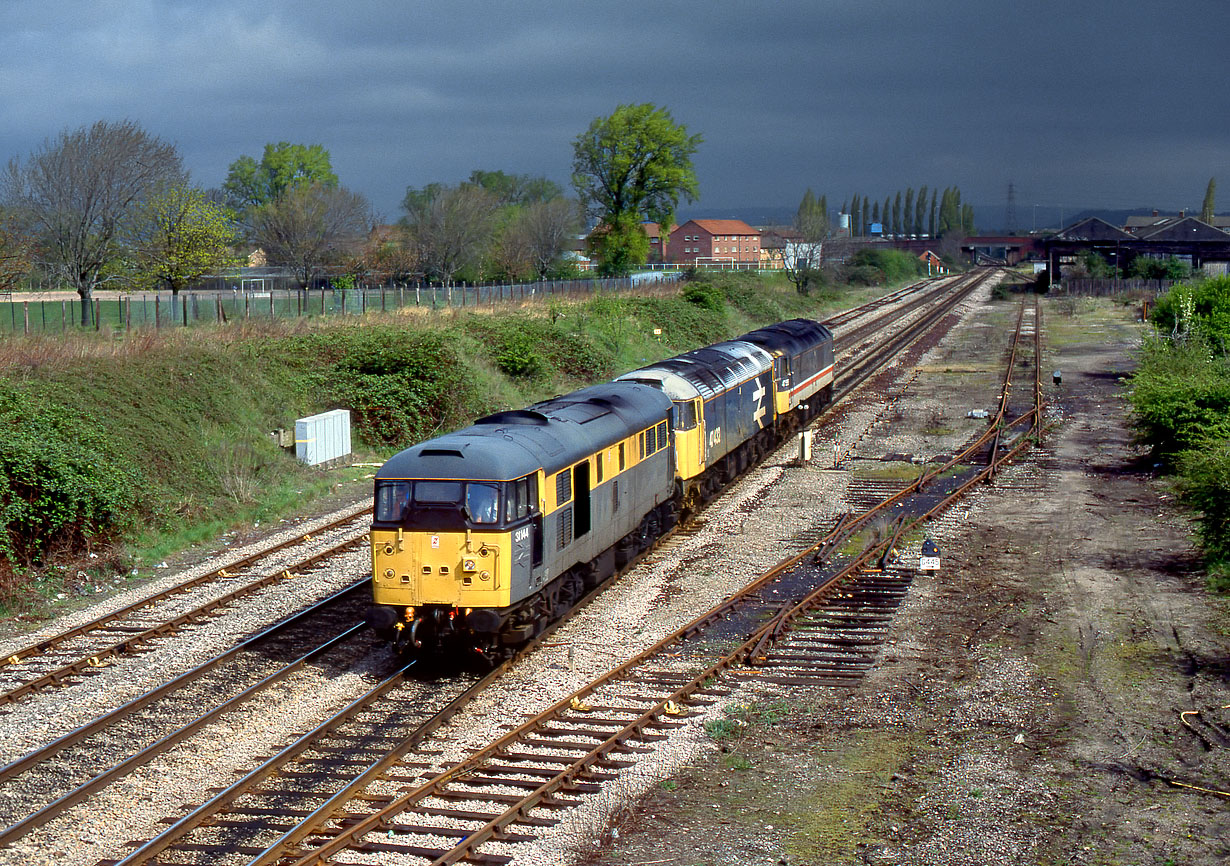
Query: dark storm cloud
x,y
1102,103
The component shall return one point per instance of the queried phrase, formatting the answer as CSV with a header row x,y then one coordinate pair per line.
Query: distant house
x,y
657,242
775,242
714,242
933,263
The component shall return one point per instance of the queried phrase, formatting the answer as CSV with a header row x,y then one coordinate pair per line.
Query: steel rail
x,y
876,303
37,756
139,759
97,657
44,644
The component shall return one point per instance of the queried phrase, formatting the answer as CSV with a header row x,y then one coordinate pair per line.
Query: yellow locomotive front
x,y
434,565
450,560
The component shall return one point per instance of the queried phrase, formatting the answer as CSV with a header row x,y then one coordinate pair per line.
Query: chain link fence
x,y
253,298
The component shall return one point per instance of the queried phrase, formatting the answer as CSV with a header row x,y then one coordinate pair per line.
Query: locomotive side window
x,y
599,460
510,500
662,436
522,488
392,500
621,457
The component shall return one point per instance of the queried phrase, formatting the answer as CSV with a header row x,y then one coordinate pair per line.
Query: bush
x,y
895,265
1200,309
57,493
1180,396
518,356
1204,484
705,296
1169,268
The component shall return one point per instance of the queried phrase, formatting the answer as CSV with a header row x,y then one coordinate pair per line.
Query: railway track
x,y
66,657
233,822
45,782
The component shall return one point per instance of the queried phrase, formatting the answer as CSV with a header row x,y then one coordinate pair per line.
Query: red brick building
x,y
714,242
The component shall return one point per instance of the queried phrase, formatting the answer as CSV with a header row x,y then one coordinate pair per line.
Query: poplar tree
x,y
920,211
855,210
897,215
1206,209
886,216
931,224
907,215
866,217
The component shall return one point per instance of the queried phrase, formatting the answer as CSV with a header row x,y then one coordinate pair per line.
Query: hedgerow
x,y
1180,397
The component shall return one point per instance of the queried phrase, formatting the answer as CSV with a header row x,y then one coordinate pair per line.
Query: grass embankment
x,y
119,449
1181,399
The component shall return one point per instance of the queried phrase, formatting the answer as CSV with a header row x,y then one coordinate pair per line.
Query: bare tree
x,y
548,227
804,250
307,227
75,193
451,228
16,253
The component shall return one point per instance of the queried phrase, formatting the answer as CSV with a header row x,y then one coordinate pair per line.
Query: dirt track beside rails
x,y
1028,708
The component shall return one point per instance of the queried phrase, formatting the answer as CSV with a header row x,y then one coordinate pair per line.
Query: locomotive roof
x,y
705,372
791,337
550,435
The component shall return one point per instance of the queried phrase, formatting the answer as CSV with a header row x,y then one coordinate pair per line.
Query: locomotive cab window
x,y
685,414
392,500
483,503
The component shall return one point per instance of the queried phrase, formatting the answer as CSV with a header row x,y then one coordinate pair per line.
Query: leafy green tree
x,y
283,166
950,213
932,222
920,210
866,216
855,209
632,166
887,216
967,220
619,245
804,254
907,212
516,189
1169,268
177,236
897,214
875,212
1206,209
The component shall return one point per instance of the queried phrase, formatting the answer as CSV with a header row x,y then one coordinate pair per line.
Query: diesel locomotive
x,y
482,537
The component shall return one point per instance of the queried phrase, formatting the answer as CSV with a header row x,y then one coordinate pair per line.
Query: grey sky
x,y
1104,104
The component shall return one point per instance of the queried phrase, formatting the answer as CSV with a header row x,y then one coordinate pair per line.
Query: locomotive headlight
x,y
469,565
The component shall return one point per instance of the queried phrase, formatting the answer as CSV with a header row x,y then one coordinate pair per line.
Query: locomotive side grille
x,y
565,528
